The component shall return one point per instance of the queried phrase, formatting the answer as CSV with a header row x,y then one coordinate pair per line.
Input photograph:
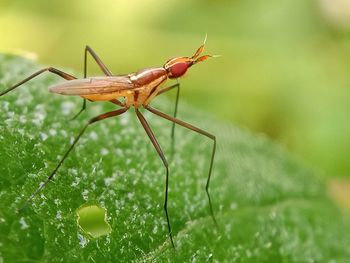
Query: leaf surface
x,y
269,206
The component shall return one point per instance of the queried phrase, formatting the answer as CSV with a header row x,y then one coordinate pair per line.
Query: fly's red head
x,y
177,67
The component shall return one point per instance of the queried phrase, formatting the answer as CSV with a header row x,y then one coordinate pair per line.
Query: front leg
x,y
177,86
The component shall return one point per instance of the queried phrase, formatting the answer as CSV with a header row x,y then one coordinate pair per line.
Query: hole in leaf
x,y
92,220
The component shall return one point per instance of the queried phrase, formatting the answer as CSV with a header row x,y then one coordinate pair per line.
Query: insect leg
x,y
91,121
163,90
117,102
101,65
81,110
200,131
161,154
50,69
98,61
177,86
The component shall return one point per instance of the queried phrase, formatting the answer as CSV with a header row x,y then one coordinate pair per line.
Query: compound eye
x,y
178,69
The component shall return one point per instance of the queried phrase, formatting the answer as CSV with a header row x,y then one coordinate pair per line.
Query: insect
x,y
133,90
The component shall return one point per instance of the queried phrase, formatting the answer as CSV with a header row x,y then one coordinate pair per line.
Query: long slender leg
x,y
103,67
98,61
177,86
166,89
50,69
117,102
200,131
93,120
81,110
161,154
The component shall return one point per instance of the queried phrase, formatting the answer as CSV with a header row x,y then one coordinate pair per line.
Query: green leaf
x,y
269,206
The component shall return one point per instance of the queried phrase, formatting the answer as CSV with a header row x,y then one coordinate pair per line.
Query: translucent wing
x,y
96,85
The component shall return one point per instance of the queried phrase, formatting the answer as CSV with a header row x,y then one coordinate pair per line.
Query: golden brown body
x,y
137,88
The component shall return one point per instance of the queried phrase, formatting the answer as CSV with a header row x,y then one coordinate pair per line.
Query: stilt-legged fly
x,y
137,90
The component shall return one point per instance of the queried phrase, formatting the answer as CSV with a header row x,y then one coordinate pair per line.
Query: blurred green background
x,y
284,70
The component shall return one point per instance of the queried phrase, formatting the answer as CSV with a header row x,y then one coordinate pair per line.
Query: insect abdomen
x,y
96,88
